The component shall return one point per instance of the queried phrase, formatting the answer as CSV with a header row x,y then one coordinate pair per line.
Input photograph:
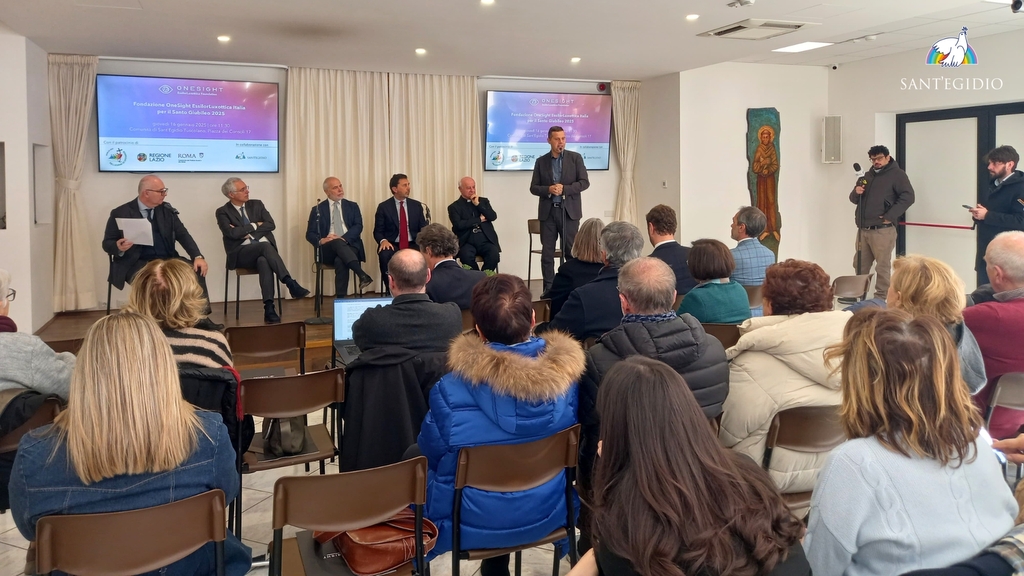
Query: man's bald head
x,y
152,190
647,286
408,272
1004,261
467,187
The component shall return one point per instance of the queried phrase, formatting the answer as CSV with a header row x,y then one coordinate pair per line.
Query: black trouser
x,y
343,257
140,264
385,256
550,228
264,258
478,244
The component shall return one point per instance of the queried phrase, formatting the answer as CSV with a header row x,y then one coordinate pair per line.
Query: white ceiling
x,y
615,39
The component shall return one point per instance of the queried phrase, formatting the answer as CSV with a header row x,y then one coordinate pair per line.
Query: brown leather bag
x,y
382,547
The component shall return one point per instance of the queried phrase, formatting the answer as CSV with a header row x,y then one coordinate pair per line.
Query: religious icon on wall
x,y
763,173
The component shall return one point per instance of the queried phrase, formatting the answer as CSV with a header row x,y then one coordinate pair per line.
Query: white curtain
x,y
626,126
72,82
435,136
337,125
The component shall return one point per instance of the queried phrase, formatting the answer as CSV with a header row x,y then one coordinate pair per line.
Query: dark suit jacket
x,y
228,216
411,321
167,224
574,180
572,274
465,217
450,282
592,309
353,225
675,254
385,221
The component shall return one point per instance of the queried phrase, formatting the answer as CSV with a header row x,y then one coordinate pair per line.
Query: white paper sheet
x,y
136,230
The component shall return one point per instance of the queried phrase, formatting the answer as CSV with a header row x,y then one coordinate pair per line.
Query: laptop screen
x,y
348,310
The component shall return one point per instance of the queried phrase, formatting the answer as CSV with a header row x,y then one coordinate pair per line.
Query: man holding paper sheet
x,y
132,248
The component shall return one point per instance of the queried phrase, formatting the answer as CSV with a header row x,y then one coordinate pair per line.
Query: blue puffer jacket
x,y
498,394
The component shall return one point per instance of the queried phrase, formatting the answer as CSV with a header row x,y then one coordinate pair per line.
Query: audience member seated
x,y
914,486
411,321
585,264
778,364
670,499
999,325
449,282
650,328
593,309
926,286
28,363
126,441
505,387
167,292
661,231
752,258
715,299
1004,558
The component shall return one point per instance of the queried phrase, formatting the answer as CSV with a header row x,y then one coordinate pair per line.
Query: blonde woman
x,y
583,267
922,285
914,487
126,441
168,292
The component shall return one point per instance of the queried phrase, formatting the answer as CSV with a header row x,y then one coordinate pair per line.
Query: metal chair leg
x,y
519,562
227,280
238,292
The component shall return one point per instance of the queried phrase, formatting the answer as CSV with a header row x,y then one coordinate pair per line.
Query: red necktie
x,y
403,227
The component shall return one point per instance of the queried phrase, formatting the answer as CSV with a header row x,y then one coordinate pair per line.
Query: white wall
x,y
196,196
509,192
656,172
713,105
42,234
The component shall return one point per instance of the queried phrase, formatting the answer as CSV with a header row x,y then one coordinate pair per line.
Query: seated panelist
x,y
335,225
397,221
472,218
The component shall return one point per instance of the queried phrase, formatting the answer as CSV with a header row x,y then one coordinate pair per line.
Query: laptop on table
x,y
346,312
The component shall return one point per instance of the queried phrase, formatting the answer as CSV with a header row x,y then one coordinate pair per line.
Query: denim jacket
x,y
43,486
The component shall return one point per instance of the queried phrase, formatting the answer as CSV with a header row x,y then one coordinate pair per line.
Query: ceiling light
x,y
487,2
224,38
803,47
421,51
692,17
575,60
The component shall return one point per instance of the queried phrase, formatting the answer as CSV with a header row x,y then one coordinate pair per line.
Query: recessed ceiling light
x,y
803,47
692,17
224,38
421,51
487,2
575,60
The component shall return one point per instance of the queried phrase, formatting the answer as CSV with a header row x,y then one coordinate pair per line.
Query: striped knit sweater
x,y
198,348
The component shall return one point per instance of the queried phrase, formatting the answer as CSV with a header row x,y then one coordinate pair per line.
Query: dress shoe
x,y
207,324
364,281
295,289
270,315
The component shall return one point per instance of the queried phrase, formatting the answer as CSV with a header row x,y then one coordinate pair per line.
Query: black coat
x,y
353,225
385,221
572,274
574,181
1004,213
235,230
450,282
167,224
592,309
674,254
465,217
411,321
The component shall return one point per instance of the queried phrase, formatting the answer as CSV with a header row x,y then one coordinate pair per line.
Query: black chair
x,y
216,390
239,272
533,227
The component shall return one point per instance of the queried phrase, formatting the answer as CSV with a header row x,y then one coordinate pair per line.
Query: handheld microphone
x,y
856,168
861,180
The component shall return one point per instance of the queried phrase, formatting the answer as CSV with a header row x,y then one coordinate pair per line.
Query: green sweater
x,y
715,303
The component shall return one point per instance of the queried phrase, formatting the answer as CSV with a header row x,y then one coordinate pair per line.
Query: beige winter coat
x,y
778,363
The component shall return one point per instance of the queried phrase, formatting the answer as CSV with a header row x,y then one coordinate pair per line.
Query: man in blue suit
x,y
752,257
335,226
397,221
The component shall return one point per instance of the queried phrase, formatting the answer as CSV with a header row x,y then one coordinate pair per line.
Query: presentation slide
x,y
174,125
518,122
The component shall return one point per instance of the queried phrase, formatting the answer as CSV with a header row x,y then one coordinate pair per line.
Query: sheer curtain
x,y
72,82
626,125
337,125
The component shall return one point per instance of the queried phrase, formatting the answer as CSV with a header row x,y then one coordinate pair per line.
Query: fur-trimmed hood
x,y
531,371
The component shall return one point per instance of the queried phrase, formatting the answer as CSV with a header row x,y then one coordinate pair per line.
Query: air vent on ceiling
x,y
755,29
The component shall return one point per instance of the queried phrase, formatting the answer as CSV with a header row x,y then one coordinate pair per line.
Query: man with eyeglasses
x,y
881,196
1003,207
129,258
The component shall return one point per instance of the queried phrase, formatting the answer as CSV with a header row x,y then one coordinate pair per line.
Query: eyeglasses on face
x,y
161,191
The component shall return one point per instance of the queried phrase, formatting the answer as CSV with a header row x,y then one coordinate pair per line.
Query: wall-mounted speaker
x,y
832,140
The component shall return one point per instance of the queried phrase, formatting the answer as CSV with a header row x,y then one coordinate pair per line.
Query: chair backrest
x,y
467,321
808,429
852,286
542,310
1009,393
589,343
534,226
43,416
367,497
755,295
131,542
727,334
268,343
72,345
289,396
677,302
516,467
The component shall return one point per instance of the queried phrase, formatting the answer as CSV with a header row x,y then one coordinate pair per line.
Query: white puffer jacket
x,y
778,363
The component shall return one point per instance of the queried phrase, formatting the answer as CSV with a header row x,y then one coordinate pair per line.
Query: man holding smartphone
x,y
1002,209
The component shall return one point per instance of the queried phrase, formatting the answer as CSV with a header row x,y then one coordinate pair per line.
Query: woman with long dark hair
x,y
669,499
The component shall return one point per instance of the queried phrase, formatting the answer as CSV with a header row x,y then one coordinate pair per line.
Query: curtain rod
x,y
175,61
543,79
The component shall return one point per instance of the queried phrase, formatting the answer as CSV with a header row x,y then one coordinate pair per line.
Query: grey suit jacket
x,y
411,321
574,181
235,230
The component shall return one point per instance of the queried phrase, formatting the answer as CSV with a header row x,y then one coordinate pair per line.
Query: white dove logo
x,y
953,52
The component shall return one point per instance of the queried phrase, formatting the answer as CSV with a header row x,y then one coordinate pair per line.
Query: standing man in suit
x,y
471,217
449,282
1002,210
397,221
661,231
248,231
558,179
167,230
335,225
752,258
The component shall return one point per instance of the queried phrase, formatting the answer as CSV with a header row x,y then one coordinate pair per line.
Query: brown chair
x,y
534,228
268,343
322,267
807,429
288,397
852,288
72,345
131,542
754,295
678,302
542,310
43,416
1008,393
468,323
727,334
365,498
589,343
239,272
513,468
